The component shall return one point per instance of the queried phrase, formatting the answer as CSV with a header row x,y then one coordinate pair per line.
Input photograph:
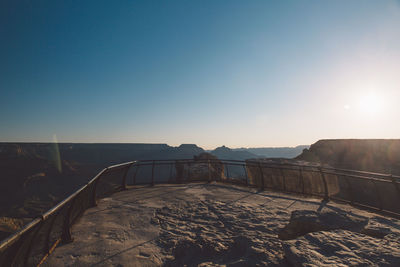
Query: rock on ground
x,y
342,248
212,233
307,221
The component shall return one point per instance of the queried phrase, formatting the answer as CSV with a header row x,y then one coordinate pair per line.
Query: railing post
x,y
28,252
395,183
11,258
283,179
351,197
245,172
209,171
134,175
302,178
189,172
93,199
326,194
47,240
179,169
378,195
123,185
152,173
66,236
170,172
262,175
227,171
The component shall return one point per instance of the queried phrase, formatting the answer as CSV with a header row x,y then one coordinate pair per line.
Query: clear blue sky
x,y
235,73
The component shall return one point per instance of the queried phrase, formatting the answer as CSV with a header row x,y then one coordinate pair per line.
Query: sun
x,y
371,104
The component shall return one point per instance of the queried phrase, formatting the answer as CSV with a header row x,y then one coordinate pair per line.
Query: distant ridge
x,y
224,152
375,155
275,152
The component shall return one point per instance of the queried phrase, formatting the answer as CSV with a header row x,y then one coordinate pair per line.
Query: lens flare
x,y
56,154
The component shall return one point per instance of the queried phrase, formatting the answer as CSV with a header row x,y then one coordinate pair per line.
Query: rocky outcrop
x,y
335,238
224,152
205,167
375,155
342,248
307,221
211,233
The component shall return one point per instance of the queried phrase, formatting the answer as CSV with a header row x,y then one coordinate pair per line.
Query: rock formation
x,y
375,155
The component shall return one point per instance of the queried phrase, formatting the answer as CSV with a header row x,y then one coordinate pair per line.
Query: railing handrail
x,y
57,206
272,164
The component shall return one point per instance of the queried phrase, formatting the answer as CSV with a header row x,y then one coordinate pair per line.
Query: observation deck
x,y
216,212
198,223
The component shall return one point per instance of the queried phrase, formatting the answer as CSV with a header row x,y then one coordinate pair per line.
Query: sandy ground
x,y
225,225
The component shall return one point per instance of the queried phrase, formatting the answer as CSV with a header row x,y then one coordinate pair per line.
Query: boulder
x,y
307,221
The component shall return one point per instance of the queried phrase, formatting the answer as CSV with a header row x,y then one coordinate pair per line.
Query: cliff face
x,y
375,155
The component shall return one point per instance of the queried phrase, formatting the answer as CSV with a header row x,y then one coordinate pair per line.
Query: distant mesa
x,y
374,155
275,152
192,148
224,152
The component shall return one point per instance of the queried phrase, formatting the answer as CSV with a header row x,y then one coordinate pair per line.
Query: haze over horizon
x,y
237,73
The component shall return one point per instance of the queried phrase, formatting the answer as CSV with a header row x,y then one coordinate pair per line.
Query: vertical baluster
x,y
123,183
326,193
152,173
227,171
134,175
245,172
283,178
209,171
302,178
262,175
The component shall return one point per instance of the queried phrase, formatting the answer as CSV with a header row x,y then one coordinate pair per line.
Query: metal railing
x,y
33,243
36,241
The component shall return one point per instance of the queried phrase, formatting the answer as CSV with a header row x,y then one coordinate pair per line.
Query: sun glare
x,y
371,104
